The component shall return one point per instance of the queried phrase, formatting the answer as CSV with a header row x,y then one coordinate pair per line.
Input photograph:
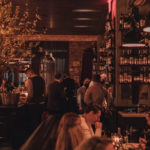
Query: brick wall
x,y
76,50
77,44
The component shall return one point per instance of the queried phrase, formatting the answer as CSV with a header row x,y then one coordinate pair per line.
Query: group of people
x,y
70,121
95,92
74,118
67,129
70,131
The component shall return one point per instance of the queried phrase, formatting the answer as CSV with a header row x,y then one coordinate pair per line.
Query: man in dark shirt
x,y
35,86
56,96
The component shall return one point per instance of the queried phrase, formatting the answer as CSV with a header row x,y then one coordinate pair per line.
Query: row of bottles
x,y
135,57
105,54
127,75
105,60
139,60
110,71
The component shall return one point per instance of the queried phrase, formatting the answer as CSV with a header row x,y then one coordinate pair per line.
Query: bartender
x,y
35,86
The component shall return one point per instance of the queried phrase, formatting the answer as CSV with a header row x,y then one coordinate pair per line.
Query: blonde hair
x,y
69,132
94,143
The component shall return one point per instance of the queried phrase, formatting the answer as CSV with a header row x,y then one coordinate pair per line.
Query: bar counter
x,y
17,122
134,119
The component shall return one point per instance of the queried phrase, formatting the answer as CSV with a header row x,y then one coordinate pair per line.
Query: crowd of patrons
x,y
75,118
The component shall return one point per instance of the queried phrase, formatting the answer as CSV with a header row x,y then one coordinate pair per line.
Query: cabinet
x,y
133,67
134,74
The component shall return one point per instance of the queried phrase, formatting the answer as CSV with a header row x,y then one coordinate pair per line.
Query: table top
x,y
132,114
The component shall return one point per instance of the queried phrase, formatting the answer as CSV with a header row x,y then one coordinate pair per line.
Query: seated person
x,y
69,132
91,116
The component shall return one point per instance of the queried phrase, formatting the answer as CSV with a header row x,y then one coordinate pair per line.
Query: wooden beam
x,y
42,37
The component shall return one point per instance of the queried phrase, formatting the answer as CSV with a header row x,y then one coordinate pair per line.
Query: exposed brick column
x,y
76,50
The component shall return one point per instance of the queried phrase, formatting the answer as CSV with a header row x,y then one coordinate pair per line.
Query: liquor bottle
x,y
148,75
145,61
149,58
121,22
121,76
144,75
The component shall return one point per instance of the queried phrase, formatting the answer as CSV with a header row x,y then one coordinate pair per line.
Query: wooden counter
x,y
127,119
131,114
18,122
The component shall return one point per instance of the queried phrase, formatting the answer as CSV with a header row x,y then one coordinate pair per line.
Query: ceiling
x,y
62,17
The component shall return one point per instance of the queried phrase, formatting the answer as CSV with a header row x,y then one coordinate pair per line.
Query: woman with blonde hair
x,y
96,143
69,132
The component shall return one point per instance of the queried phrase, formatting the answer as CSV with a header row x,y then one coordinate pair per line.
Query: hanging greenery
x,y
15,23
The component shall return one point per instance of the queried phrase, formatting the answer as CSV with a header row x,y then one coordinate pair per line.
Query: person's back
x,y
94,95
56,97
69,86
38,87
69,132
35,86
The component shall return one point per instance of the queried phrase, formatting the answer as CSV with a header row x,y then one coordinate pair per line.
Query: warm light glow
x,y
26,94
109,5
133,45
24,62
51,22
84,10
146,29
81,26
84,19
116,139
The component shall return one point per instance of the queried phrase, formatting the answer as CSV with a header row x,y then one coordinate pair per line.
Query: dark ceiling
x,y
64,17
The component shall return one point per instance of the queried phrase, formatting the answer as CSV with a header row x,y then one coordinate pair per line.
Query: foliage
x,y
15,23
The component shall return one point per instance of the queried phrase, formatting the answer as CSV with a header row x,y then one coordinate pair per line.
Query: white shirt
x,y
87,129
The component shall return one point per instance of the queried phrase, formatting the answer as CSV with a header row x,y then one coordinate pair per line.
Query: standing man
x,y
56,96
35,86
94,94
